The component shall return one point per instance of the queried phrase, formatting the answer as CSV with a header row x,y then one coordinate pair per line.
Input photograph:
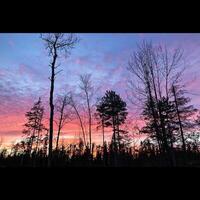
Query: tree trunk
x,y
179,120
38,136
103,130
81,123
115,142
51,108
60,124
154,115
90,120
159,111
32,138
57,140
118,139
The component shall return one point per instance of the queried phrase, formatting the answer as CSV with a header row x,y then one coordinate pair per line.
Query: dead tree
x,y
156,70
56,44
74,105
64,112
87,88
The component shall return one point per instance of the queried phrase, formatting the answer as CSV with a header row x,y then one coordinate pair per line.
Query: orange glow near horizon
x,y
12,126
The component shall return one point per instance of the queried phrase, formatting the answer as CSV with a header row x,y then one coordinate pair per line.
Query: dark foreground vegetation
x,y
75,156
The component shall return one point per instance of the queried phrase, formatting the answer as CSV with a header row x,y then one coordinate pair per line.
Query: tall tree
x,y
87,88
74,105
183,112
155,68
56,44
113,111
176,115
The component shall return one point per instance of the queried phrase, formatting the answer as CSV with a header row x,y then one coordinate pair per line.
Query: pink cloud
x,y
82,60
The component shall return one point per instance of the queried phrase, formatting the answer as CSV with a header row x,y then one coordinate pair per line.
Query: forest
x,y
168,137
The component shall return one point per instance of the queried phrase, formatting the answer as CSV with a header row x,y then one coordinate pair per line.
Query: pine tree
x,y
183,112
175,116
34,125
112,111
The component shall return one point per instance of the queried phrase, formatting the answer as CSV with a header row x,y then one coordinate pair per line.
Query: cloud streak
x,y
24,78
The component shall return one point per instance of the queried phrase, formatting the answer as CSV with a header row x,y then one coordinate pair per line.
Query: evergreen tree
x,y
112,111
183,112
34,126
175,115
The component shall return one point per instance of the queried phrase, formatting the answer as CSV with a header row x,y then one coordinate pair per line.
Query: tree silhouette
x,y
112,109
74,105
57,44
87,88
64,112
156,69
34,126
183,112
175,115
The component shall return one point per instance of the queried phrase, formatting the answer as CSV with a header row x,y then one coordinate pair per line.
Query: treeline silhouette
x,y
71,155
171,127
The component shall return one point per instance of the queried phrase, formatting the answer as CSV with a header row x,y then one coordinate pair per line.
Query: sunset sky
x,y
24,71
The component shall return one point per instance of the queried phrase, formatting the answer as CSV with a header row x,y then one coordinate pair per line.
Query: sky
x,y
24,71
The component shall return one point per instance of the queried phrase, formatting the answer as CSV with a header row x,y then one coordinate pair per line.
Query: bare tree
x,y
87,88
57,44
74,105
155,69
64,114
